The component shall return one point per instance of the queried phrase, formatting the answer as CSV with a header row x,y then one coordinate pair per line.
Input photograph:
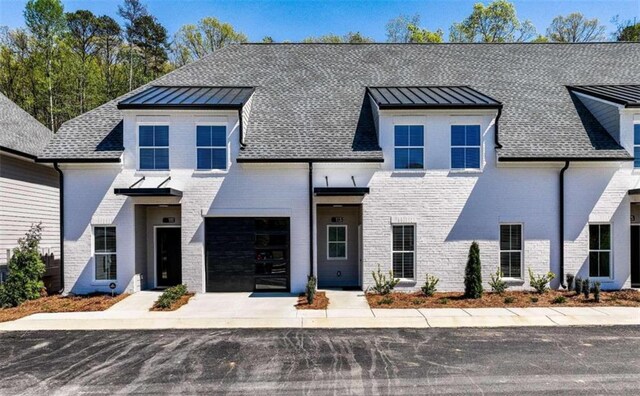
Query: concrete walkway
x,y
347,309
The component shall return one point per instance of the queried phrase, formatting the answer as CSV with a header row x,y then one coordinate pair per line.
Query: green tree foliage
x,y
627,30
350,38
25,271
131,11
473,273
150,39
425,36
192,42
493,23
398,28
575,28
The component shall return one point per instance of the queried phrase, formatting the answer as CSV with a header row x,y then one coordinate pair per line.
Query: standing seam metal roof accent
x,y
627,95
430,97
184,97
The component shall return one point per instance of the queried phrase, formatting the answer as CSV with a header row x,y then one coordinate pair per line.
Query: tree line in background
x,y
64,64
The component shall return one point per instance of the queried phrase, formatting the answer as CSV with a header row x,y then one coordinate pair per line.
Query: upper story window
x,y
636,145
409,146
465,146
211,141
153,141
600,250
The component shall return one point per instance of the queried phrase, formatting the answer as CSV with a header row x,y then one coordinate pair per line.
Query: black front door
x,y
168,256
635,256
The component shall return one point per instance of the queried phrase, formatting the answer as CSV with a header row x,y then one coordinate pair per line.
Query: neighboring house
x,y
29,191
260,164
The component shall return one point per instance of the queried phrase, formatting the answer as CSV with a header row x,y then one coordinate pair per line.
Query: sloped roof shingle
x,y
19,131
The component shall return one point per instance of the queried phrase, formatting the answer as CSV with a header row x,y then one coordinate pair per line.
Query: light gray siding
x,y
607,114
28,195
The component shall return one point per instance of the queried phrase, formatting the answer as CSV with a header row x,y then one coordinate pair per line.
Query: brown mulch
x,y
521,299
320,302
180,302
54,304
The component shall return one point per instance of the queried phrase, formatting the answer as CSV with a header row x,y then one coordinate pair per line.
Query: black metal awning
x,y
148,192
625,95
187,97
340,191
634,192
431,97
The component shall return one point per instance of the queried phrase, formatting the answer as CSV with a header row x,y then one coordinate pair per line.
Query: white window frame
x,y
346,241
414,251
153,123
511,251
610,251
96,254
423,147
226,146
481,147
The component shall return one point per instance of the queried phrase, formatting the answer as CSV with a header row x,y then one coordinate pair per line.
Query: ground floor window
x,y
511,250
404,255
600,250
336,242
105,253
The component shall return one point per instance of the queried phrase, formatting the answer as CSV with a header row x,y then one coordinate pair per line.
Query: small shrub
x,y
429,287
585,288
473,273
509,299
596,290
578,285
541,282
497,284
443,300
382,285
386,300
559,300
311,289
534,299
570,277
170,296
417,301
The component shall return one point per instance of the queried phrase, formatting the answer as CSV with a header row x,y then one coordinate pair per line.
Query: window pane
x,y
333,250
515,265
408,238
218,136
219,160
605,266
636,134
505,260
636,157
332,233
146,135
341,233
146,158
472,158
605,237
402,158
110,239
473,135
397,237
162,158
341,250
505,237
203,135
594,236
416,160
204,158
593,263
162,135
407,259
416,135
106,267
457,135
457,158
401,135
100,240
516,237
397,265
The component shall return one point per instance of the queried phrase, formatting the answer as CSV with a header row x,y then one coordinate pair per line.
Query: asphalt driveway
x,y
575,360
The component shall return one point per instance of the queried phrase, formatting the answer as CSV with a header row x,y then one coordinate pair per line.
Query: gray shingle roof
x,y
310,99
19,131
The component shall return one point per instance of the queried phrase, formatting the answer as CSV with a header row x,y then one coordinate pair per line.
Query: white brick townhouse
x,y
260,164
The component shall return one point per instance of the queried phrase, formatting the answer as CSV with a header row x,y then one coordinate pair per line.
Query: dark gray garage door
x,y
247,254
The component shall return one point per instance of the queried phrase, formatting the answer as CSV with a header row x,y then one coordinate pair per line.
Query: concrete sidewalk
x,y
347,309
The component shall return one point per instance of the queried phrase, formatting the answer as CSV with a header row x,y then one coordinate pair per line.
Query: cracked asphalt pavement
x,y
559,360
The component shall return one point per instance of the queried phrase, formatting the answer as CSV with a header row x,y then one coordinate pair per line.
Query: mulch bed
x,y
184,300
320,302
55,304
521,299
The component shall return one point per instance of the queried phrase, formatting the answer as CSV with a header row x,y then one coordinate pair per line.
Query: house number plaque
x,y
337,219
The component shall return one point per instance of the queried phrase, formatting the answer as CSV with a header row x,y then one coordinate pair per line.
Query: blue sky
x,y
295,19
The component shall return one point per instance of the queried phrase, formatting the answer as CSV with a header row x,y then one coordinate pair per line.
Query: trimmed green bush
x,y
509,300
429,287
541,282
534,299
497,284
559,300
383,285
596,290
473,273
311,289
570,278
578,285
26,269
170,296
443,300
386,300
586,289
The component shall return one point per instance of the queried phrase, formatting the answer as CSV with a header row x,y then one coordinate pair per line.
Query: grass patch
x,y
55,304
521,299
319,302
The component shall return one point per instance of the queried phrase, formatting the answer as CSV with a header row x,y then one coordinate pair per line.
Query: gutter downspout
x,y
61,203
310,219
240,129
495,128
562,171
